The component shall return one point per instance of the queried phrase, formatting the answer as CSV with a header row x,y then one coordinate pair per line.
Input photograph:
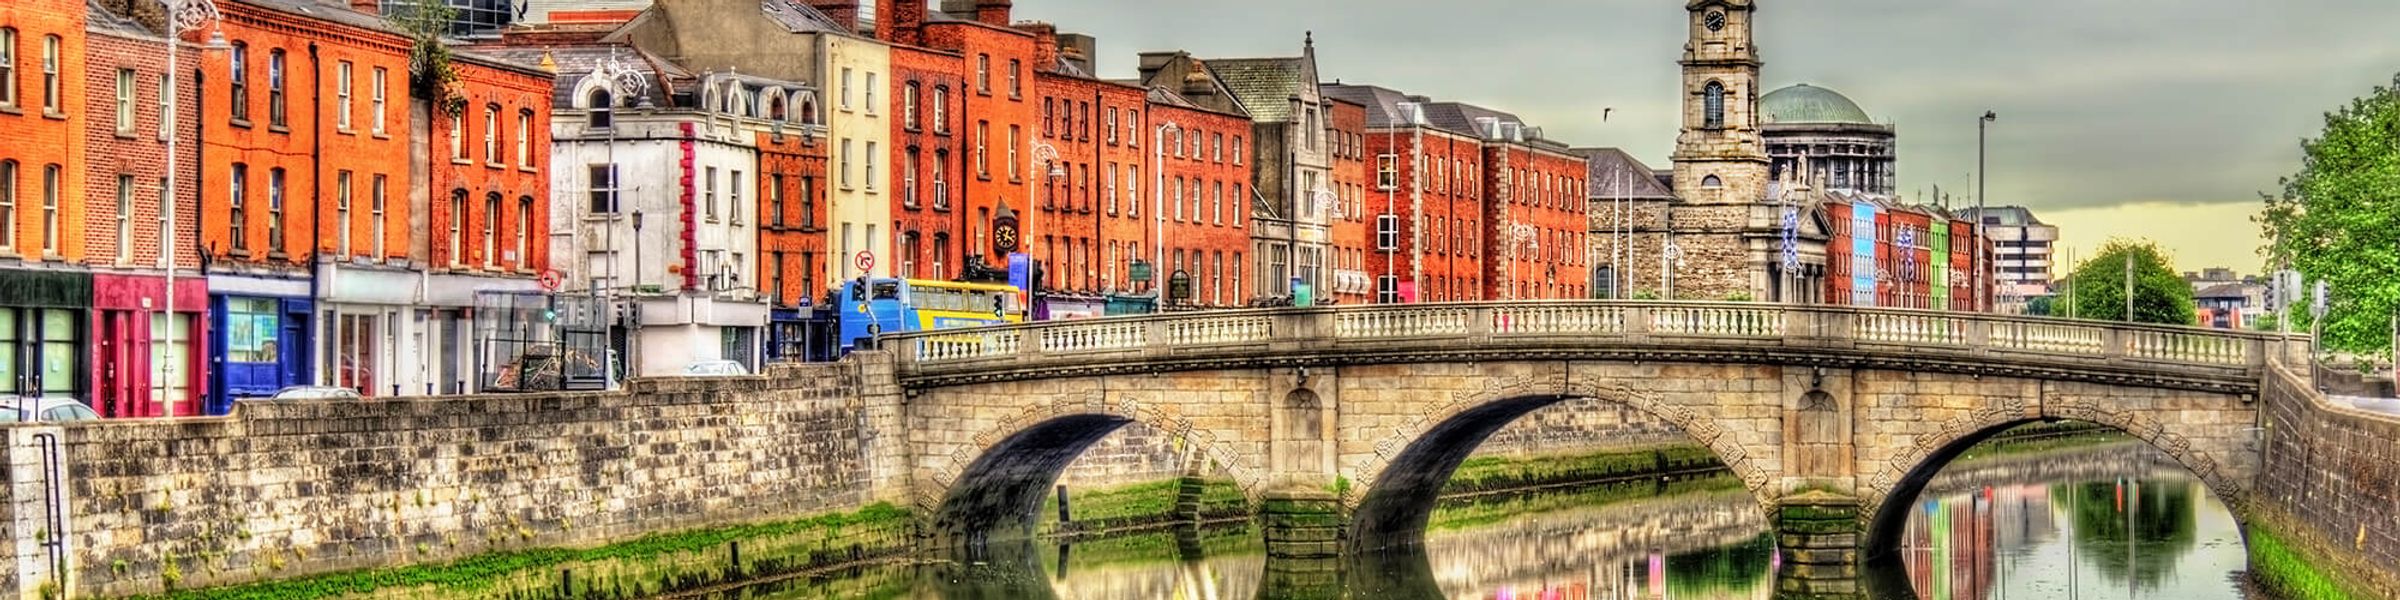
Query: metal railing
x,y
1585,326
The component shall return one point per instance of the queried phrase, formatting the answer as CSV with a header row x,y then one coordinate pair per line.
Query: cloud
x,y
2139,104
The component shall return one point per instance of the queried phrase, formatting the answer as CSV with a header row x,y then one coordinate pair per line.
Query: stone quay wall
x,y
282,489
2330,482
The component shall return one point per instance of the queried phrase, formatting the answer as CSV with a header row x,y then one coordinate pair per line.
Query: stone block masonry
x,y
283,489
2329,485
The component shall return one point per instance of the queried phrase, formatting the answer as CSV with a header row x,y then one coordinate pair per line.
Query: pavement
x,y
2389,406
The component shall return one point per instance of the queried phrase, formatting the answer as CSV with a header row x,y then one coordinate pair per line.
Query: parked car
x,y
312,392
716,367
24,409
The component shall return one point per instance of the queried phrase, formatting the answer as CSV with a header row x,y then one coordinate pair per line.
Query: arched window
x,y
775,111
1711,182
1713,104
808,112
602,107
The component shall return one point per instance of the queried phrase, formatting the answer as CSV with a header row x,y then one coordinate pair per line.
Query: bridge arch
x,y
1001,477
1404,478
1890,494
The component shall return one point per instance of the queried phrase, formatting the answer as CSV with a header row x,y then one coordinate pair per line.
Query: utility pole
x,y
1982,180
2129,286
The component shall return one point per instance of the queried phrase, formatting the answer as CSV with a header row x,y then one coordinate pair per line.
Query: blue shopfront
x,y
259,341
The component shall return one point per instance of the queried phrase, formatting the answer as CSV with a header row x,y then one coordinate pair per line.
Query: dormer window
x,y
602,109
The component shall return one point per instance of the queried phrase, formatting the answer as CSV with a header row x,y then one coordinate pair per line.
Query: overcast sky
x,y
2137,118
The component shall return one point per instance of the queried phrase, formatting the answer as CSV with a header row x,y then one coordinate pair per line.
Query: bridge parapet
x,y
2187,357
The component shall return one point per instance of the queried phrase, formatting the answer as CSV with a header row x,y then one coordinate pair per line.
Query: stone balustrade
x,y
2211,359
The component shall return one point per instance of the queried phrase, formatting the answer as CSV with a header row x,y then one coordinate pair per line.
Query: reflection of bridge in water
x,y
2128,459
1595,542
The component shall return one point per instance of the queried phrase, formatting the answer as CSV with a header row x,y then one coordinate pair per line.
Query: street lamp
x,y
1983,177
181,15
1158,206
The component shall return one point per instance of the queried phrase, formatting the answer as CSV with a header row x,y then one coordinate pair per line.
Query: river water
x,y
2107,522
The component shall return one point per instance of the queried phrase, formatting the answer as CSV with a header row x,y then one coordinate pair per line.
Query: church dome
x,y
1806,103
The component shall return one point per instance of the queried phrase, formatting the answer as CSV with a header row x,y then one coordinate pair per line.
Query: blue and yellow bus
x,y
886,305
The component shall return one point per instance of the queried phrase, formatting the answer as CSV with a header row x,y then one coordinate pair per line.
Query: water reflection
x,y
2149,530
2115,522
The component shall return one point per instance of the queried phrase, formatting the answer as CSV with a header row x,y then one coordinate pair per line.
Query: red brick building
x,y
142,364
996,129
1201,224
928,161
1534,197
792,213
490,191
1349,221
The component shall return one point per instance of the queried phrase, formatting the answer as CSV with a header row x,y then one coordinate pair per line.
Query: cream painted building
x,y
857,71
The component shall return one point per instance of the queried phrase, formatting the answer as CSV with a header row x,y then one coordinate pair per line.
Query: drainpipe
x,y
316,193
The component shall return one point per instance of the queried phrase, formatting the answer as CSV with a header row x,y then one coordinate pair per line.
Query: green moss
x,y
1464,513
2287,572
645,566
1494,473
1141,504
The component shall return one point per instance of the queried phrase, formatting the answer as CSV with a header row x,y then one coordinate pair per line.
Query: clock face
x,y
1715,20
1005,236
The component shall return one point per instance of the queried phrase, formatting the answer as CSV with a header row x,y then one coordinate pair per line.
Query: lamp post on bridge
x,y
180,15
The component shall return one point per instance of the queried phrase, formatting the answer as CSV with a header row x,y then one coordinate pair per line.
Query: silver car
x,y
316,392
716,368
24,409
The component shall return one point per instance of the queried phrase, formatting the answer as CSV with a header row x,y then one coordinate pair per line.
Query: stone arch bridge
x,y
1343,423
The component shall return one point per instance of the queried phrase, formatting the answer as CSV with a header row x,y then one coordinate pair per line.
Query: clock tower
x,y
1720,157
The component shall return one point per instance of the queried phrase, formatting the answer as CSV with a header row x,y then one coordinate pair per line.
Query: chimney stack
x,y
992,12
900,21
1045,45
1080,50
843,12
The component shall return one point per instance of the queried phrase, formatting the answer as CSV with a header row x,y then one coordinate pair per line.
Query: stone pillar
x,y
1304,524
1819,533
1301,578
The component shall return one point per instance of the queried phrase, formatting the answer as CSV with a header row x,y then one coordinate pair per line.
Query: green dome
x,y
1806,103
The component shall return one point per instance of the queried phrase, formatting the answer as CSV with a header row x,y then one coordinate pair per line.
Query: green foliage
x,y
2280,568
2042,306
2159,295
1645,295
430,73
461,577
1493,473
1738,297
2334,222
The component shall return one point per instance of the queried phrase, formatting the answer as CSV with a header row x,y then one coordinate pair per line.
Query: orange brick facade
x,y
488,158
1206,167
928,163
272,109
1350,223
1448,235
42,112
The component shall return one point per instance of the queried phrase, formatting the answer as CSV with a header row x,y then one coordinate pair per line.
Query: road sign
x,y
1140,271
865,261
552,280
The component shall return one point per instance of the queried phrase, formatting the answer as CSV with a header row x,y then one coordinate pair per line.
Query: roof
x,y
326,12
798,16
1806,103
1612,173
100,20
575,62
1264,86
2227,290
2009,216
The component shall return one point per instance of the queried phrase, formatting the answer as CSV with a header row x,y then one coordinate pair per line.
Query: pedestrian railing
x,y
1591,327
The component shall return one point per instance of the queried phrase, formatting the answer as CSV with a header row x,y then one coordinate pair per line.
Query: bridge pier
x,y
1302,523
1819,534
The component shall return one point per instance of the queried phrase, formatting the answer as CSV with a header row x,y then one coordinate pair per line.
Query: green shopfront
x,y
44,332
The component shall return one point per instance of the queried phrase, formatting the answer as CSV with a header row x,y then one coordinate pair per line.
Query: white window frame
x,y
126,90
341,92
381,79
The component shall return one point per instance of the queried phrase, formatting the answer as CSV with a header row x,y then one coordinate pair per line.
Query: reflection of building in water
x,y
1950,547
2023,517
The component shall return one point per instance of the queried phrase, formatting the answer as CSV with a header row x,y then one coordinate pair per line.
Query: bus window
x,y
887,290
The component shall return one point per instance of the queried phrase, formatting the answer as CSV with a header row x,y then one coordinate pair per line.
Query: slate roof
x,y
1265,87
2235,290
1611,173
103,21
575,62
326,12
797,16
1457,116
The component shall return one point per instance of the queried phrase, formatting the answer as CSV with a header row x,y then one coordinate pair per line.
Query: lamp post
x,y
1158,207
1983,177
1046,155
181,15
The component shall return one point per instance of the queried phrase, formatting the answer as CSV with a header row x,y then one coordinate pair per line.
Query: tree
x,y
2338,221
2159,295
2042,306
